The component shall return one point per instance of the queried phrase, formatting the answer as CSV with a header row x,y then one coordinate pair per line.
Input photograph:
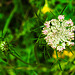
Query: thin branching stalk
x,y
63,10
58,60
22,60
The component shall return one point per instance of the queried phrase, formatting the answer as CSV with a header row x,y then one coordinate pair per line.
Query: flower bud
x,y
3,46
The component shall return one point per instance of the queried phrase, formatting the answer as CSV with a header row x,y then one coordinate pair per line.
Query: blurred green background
x,y
22,22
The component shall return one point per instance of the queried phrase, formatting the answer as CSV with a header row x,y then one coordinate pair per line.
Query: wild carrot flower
x,y
59,32
3,46
61,17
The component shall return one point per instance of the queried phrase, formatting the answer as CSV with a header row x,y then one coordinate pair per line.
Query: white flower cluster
x,y
59,33
3,46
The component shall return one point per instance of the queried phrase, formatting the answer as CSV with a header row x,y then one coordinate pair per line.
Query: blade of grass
x,y
70,50
63,10
22,60
12,49
53,14
35,50
35,30
63,59
39,18
8,21
44,54
48,53
59,65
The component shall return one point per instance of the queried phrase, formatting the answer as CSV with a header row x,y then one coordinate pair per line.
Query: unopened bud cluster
x,y
3,46
59,32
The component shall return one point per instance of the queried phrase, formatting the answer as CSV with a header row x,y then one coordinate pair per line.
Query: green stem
x,y
58,60
44,54
48,52
53,14
63,10
35,49
35,52
23,61
8,20
46,2
70,50
74,39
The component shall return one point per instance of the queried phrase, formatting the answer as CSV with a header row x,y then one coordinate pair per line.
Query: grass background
x,y
21,22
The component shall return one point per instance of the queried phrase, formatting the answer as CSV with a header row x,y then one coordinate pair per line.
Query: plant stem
x,y
8,21
35,49
63,10
58,60
23,61
74,39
